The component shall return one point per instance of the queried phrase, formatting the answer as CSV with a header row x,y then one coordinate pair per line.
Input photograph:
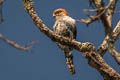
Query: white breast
x,y
63,22
69,19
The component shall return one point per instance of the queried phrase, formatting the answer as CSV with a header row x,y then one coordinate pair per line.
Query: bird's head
x,y
60,12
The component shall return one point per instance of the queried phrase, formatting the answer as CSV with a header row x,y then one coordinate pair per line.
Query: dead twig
x,y
17,46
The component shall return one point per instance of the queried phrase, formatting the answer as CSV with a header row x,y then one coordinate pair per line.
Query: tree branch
x,y
112,49
97,16
87,48
17,46
107,22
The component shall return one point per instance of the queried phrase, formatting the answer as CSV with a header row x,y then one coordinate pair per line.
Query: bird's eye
x,y
58,12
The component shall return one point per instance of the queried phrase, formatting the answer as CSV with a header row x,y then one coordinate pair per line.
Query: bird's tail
x,y
69,61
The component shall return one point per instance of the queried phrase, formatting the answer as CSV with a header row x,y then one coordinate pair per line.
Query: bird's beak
x,y
53,15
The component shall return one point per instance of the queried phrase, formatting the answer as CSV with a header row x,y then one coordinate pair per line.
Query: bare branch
x,y
95,60
93,18
107,22
17,46
114,53
112,49
105,18
104,46
100,11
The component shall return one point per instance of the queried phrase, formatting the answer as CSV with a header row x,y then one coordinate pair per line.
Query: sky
x,y
47,61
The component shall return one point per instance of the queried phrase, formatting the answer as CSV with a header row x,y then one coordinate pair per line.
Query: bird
x,y
65,26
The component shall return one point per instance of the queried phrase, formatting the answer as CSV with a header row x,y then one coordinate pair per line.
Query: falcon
x,y
65,26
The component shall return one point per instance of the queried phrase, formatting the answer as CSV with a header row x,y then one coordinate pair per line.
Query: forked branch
x,y
17,46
